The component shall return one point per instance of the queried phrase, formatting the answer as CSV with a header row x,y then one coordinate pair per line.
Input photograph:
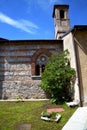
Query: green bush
x,y
57,77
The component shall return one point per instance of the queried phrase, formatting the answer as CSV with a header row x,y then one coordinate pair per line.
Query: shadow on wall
x,y
2,66
2,71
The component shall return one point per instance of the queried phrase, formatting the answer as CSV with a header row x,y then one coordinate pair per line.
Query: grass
x,y
12,114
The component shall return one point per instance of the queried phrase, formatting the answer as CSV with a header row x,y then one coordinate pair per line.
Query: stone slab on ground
x,y
50,110
24,126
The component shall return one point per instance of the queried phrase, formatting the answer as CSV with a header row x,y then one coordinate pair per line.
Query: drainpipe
x,y
78,72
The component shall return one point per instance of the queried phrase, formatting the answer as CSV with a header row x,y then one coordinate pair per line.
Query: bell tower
x,y
61,20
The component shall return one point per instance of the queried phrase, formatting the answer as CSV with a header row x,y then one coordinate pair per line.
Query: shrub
x,y
57,77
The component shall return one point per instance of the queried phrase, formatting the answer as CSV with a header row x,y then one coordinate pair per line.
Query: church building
x,y
23,61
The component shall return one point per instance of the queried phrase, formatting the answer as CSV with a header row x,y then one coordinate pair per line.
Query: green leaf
x,y
58,75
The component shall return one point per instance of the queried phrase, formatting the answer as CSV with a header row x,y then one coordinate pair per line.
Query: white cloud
x,y
43,4
29,24
24,25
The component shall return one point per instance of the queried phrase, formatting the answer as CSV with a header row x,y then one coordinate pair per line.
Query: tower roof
x,y
60,7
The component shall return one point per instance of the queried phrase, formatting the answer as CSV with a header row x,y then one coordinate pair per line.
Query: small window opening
x,y
43,68
37,70
61,13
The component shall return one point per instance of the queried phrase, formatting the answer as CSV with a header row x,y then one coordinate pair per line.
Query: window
x,y
43,68
41,61
37,70
61,14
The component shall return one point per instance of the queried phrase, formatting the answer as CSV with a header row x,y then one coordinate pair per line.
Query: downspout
x,y
77,66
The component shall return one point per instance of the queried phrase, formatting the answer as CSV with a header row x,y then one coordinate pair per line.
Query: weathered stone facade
x,y
18,61
61,20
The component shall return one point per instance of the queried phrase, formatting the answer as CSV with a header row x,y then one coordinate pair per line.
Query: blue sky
x,y
32,19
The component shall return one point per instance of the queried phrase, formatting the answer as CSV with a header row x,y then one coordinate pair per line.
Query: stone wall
x,y
24,89
15,67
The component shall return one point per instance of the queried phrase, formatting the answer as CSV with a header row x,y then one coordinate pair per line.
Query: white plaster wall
x,y
68,44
